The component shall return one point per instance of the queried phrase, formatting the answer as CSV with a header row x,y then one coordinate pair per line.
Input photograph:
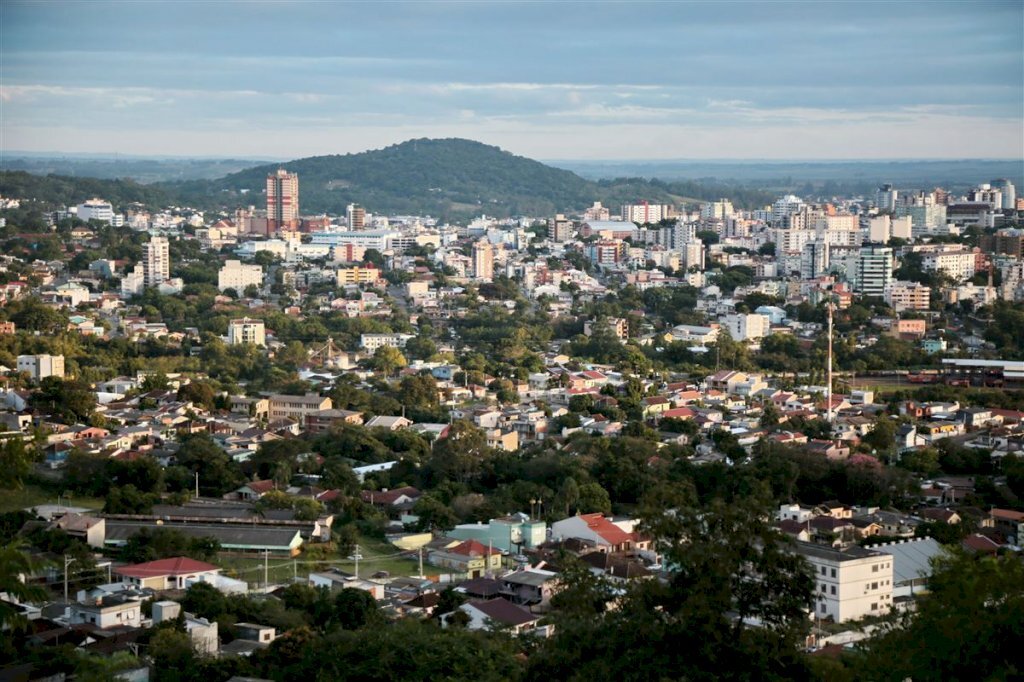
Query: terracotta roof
x,y
1007,515
260,486
473,548
174,566
608,531
389,496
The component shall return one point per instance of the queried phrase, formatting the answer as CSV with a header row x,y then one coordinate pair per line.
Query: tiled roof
x,y
174,566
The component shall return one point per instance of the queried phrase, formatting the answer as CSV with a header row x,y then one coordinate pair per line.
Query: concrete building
x,y
909,296
157,261
297,406
483,261
873,273
95,209
134,282
886,198
747,327
247,330
371,342
165,574
108,612
814,259
235,274
958,264
358,275
38,367
282,201
849,583
645,212
560,229
509,534
355,217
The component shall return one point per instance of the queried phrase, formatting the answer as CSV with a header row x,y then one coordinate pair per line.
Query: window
x,y
823,608
833,573
823,570
874,586
822,587
874,568
833,589
874,607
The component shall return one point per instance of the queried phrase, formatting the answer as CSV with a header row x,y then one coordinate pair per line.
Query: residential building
x,y
235,274
483,261
470,557
166,574
560,229
850,583
157,261
873,275
134,282
909,296
814,259
958,264
509,533
38,367
282,201
596,529
747,327
355,217
497,613
108,612
322,421
371,342
366,274
247,330
297,406
886,198
645,212
617,325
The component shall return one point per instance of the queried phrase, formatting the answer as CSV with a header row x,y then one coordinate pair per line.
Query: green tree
x,y
387,360
16,562
15,462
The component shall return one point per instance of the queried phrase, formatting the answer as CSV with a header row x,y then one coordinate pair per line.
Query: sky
x,y
549,80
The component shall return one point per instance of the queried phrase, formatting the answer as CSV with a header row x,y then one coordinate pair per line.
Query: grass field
x,y
31,495
377,555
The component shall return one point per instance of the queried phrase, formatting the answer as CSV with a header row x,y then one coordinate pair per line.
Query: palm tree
x,y
15,563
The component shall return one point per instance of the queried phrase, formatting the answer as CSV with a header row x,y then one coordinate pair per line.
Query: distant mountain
x,y
139,170
437,177
62,190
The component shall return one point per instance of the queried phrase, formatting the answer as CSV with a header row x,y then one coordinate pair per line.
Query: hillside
x,y
437,177
62,190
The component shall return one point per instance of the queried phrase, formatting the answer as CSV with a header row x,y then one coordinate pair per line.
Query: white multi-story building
x,y
381,240
814,259
720,209
371,342
645,212
237,275
693,254
744,327
41,366
134,282
96,209
956,264
247,330
785,207
157,261
902,228
880,229
850,583
886,198
483,260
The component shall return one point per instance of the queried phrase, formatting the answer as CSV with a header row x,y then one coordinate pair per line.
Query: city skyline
x,y
568,81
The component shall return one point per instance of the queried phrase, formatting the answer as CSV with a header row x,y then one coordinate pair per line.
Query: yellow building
x,y
358,275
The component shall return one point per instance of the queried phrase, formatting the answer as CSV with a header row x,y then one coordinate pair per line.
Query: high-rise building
x,y
597,212
873,275
355,217
157,263
879,229
282,201
559,229
1009,193
814,259
483,260
886,198
645,212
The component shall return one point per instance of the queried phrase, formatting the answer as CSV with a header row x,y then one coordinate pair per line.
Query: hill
x,y
62,190
437,177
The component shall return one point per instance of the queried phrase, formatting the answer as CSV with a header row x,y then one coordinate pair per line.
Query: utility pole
x,y
67,562
421,563
266,568
197,484
828,388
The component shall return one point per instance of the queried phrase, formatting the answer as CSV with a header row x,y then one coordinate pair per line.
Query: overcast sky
x,y
593,80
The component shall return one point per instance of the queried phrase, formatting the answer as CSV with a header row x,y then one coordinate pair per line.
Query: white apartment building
x,y
134,282
238,275
368,239
886,198
720,209
371,342
785,207
157,261
41,366
297,406
247,330
880,229
851,583
645,213
96,209
483,260
909,296
745,327
956,264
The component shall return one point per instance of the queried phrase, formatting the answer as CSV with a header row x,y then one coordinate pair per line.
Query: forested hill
x,y
450,178
437,177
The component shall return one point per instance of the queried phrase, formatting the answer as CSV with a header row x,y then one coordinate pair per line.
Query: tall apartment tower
x,y
559,229
886,198
483,260
282,201
874,270
356,217
157,263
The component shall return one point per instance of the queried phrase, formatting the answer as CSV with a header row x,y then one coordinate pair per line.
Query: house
x,y
323,420
498,614
166,574
264,634
108,612
297,406
469,557
335,580
531,587
607,536
1010,523
89,529
404,497
389,423
912,564
254,490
